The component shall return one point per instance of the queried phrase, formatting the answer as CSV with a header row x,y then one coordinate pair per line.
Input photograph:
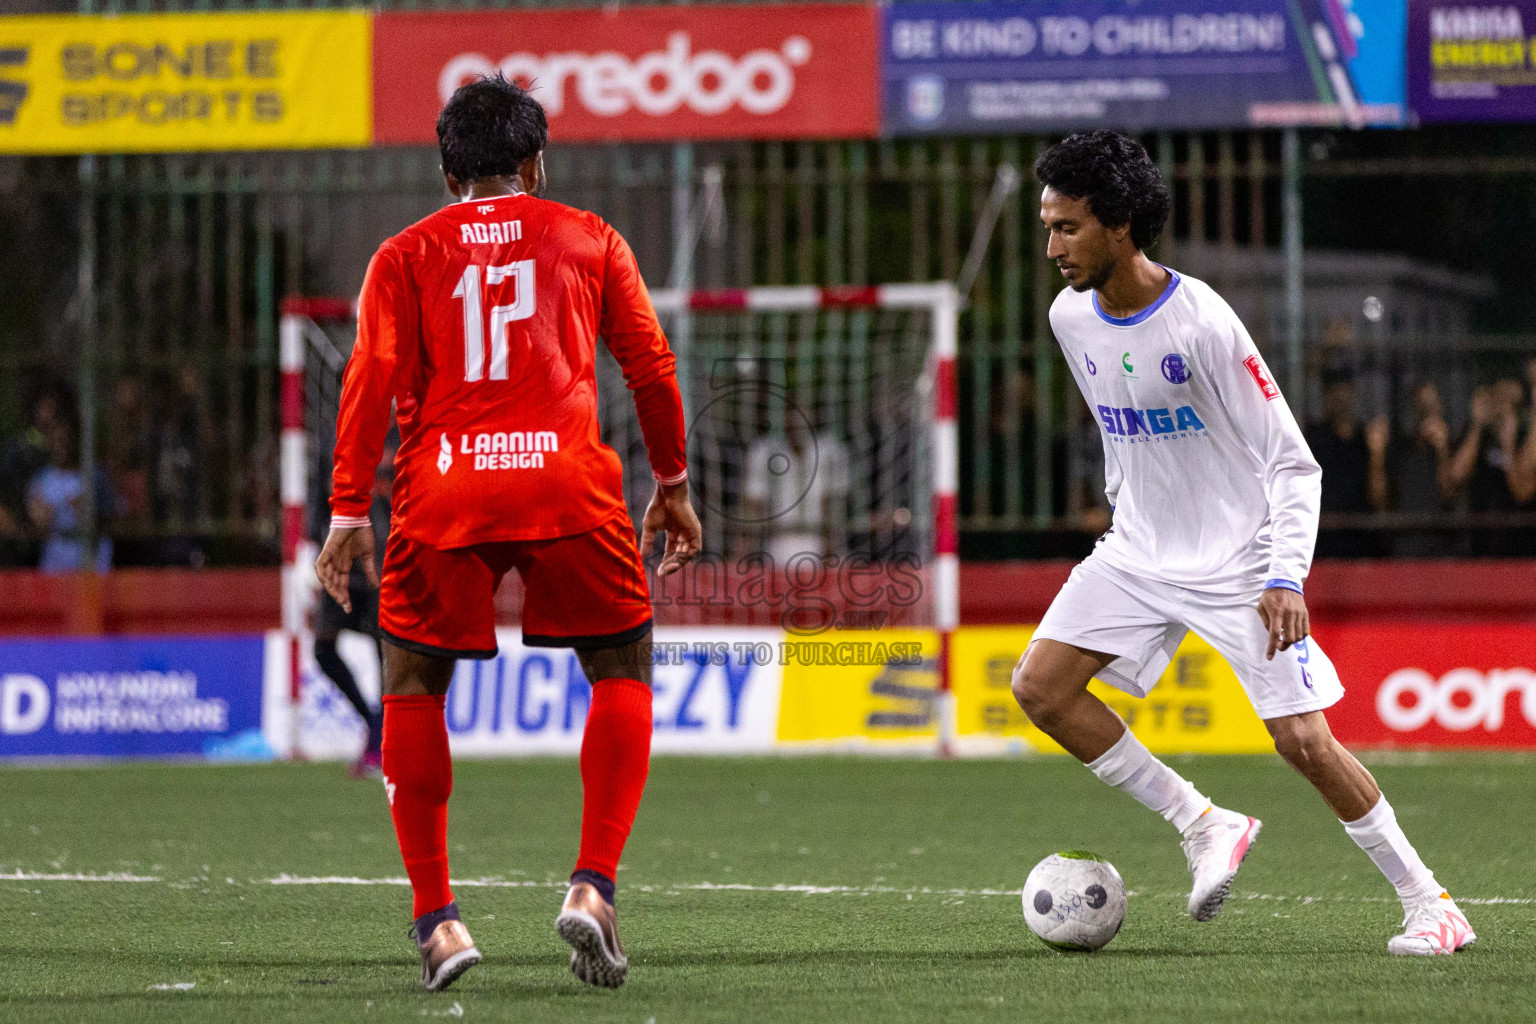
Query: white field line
x,y
75,876
782,887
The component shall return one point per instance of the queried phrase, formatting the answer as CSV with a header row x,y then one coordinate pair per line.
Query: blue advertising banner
x,y
714,690
1038,65
1472,63
131,697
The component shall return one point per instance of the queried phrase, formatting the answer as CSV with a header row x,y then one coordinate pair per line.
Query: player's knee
x,y
1306,750
1033,690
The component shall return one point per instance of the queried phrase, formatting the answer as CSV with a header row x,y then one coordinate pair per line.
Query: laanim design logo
x,y
511,449
12,93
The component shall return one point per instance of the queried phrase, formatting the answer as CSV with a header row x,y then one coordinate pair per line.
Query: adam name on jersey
x,y
1144,424
490,232
510,449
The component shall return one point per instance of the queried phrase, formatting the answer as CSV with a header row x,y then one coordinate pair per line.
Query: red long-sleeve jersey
x,y
480,323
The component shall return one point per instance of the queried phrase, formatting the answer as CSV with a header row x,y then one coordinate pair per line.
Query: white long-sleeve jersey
x,y
1211,482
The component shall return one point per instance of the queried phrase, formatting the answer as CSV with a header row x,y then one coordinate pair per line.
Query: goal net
x,y
822,460
815,453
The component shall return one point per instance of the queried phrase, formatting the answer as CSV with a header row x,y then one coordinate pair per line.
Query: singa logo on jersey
x,y
1124,423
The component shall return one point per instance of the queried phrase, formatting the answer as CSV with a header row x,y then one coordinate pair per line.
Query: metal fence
x,y
146,288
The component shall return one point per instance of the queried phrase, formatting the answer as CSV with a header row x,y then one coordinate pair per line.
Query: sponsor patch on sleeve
x,y
1261,378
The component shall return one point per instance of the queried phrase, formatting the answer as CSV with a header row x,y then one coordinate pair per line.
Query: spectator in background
x,y
53,505
1354,466
1492,466
1418,466
796,485
27,453
129,450
178,450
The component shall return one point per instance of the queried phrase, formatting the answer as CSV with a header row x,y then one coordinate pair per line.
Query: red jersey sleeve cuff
x,y
348,522
670,480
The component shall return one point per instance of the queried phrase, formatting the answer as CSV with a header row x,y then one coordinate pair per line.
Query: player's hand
x,y
1378,433
1435,433
1285,616
1482,407
334,566
671,513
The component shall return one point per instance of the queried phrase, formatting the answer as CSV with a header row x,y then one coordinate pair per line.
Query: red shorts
x,y
586,591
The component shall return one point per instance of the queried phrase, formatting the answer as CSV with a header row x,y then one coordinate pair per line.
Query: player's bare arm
x,y
671,513
1285,616
343,547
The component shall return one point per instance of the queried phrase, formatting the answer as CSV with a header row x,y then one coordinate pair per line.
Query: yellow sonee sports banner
x,y
157,83
1197,706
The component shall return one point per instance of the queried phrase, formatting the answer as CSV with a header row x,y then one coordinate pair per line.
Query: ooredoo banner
x,y
640,73
1415,684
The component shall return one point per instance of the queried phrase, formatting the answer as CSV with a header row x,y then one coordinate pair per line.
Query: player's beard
x,y
1098,278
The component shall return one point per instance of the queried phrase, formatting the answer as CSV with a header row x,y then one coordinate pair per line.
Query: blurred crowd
x,y
156,463
1405,486
1417,470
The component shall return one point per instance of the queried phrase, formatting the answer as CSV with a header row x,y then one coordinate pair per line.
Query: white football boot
x,y
1214,846
1436,928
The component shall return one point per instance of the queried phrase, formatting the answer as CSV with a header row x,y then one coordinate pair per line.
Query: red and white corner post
x,y
946,503
293,486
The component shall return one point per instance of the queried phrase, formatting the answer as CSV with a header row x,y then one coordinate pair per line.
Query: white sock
x,y
1130,767
1379,835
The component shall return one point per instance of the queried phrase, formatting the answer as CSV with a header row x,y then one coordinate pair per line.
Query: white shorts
x,y
1143,621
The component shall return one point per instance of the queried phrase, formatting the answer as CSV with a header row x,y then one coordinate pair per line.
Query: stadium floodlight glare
x,y
822,427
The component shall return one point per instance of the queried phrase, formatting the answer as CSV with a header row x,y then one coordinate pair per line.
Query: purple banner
x,y
1468,63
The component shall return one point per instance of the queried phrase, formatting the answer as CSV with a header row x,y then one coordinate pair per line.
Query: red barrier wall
x,y
1000,593
139,601
1003,593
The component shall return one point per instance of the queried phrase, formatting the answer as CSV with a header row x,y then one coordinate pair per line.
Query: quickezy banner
x,y
1472,63
131,697
147,83
716,690
1032,65
637,73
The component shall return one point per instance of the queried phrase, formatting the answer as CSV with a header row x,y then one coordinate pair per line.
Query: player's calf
x,y
1432,923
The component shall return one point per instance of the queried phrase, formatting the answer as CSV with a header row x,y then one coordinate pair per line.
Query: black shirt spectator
x,y
1338,444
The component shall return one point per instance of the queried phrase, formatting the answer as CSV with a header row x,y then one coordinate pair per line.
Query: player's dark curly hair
x,y
1117,178
488,128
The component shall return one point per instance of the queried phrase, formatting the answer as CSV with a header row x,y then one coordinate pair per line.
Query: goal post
x,y
822,422
310,363
911,377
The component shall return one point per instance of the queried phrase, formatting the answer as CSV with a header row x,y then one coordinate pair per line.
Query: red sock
x,y
615,757
418,776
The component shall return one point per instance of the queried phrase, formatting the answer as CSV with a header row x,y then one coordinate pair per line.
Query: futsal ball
x,y
1074,901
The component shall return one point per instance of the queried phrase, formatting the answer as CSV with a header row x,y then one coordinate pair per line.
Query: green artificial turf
x,y
927,928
